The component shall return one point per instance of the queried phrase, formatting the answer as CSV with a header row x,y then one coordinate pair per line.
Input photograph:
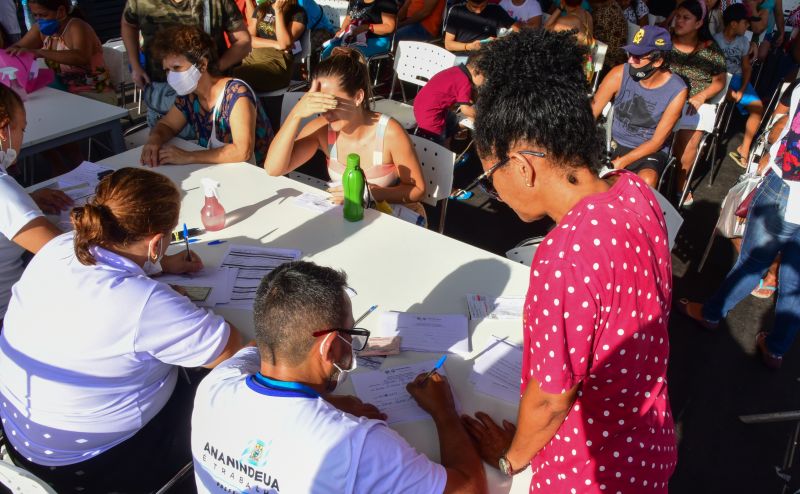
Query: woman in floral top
x,y
701,64
69,46
224,112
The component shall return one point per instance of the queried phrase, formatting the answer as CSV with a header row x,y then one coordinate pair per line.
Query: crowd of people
x,y
89,389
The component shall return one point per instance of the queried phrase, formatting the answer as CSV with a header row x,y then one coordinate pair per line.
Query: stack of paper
x,y
314,202
252,264
481,306
206,288
79,184
427,332
497,370
386,389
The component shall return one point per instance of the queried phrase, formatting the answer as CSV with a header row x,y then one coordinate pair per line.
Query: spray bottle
x,y
212,214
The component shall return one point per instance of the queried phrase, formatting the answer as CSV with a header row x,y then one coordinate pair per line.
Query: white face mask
x,y
341,376
152,267
9,155
184,82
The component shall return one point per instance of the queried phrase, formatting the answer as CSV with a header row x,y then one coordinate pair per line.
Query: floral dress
x,y
203,120
79,79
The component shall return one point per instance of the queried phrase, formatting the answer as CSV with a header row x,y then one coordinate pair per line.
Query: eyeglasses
x,y
485,178
640,59
359,336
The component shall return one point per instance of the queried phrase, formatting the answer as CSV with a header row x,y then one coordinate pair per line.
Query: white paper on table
x,y
252,264
314,202
85,173
214,282
792,214
481,306
386,389
427,332
497,370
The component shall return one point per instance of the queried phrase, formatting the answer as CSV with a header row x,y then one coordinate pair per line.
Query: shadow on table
x,y
244,212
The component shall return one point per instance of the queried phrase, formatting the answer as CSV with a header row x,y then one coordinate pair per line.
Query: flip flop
x,y
683,308
737,158
464,196
762,287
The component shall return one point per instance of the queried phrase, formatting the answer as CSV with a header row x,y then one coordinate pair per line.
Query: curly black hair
x,y
535,90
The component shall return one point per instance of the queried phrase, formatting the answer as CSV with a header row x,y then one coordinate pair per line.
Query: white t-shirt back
x,y
88,354
17,209
521,13
249,438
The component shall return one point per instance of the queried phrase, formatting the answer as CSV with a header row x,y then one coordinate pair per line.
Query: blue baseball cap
x,y
649,39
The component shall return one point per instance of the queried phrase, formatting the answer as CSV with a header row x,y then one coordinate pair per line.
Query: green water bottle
x,y
353,183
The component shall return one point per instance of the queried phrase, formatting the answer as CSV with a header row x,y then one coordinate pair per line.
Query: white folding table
x,y
389,262
58,117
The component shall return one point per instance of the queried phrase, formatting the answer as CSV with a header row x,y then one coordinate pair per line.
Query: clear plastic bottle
x,y
213,214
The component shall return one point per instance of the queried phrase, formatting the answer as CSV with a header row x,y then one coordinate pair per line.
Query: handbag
x,y
744,207
730,225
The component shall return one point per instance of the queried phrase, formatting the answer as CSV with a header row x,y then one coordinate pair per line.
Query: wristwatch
x,y
505,466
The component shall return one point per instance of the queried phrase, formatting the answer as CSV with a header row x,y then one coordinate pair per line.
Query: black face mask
x,y
642,73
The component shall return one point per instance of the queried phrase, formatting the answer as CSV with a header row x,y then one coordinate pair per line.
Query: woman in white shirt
x,y
22,225
527,12
91,396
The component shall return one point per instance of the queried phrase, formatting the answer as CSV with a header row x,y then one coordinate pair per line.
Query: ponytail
x,y
128,205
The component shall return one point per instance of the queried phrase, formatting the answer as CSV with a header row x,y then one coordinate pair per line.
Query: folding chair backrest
x,y
720,96
598,59
116,59
524,251
19,480
672,217
417,62
333,11
437,167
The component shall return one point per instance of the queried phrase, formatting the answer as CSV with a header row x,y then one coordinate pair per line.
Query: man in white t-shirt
x,y
263,420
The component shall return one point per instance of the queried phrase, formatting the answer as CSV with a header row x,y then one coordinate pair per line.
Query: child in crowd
x,y
452,88
736,48
572,22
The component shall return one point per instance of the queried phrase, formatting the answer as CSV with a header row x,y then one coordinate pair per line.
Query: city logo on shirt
x,y
256,453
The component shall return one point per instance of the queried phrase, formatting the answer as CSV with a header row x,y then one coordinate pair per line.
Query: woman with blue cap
x,y
647,102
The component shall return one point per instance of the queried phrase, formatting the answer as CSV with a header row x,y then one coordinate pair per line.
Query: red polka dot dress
x,y
596,315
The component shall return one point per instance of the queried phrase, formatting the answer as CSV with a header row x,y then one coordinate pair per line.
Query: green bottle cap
x,y
353,160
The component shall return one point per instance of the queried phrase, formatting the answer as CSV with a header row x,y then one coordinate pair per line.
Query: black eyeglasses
x,y
485,178
359,336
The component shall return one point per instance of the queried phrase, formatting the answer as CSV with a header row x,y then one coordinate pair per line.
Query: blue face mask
x,y
48,27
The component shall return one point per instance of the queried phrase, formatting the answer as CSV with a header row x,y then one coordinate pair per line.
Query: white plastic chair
x,y
653,19
315,182
415,63
709,120
437,167
524,251
18,480
598,59
290,99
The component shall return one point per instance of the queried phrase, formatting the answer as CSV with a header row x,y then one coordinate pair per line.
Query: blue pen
x,y
217,242
365,314
186,239
435,368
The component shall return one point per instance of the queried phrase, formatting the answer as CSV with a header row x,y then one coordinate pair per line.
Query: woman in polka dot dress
x,y
594,413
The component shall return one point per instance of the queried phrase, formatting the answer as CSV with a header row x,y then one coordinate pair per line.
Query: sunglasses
x,y
359,336
484,180
640,59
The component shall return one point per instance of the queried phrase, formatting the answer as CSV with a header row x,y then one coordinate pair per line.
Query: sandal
x,y
737,158
693,310
763,290
770,359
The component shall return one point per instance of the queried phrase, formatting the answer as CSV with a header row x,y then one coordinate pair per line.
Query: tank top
x,y
638,110
79,79
380,174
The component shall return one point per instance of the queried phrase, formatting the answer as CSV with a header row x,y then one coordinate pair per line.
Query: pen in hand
x,y
186,240
435,368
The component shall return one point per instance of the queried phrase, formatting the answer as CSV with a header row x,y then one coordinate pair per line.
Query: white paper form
x,y
483,307
252,264
386,389
205,288
497,370
79,184
427,332
314,202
